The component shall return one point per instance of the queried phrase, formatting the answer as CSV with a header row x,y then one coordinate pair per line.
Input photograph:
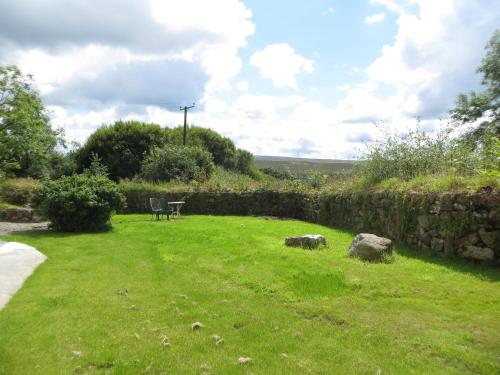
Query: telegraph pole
x,y
185,109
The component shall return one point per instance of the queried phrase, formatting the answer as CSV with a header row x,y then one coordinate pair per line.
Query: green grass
x,y
292,311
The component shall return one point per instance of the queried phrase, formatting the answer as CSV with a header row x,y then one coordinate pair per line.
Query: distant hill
x,y
326,166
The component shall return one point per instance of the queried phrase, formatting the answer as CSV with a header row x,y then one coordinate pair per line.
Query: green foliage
x,y
172,162
221,148
26,138
406,156
17,191
245,163
279,173
61,164
121,147
484,105
78,202
315,180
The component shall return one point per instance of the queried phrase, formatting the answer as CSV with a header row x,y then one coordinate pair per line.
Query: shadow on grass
x,y
485,271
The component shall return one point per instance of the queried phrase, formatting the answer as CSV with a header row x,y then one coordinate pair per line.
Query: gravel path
x,y
9,228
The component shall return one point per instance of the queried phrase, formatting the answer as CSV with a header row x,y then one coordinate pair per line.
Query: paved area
x,y
17,262
8,227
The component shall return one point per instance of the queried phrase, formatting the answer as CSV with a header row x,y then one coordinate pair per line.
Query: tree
x,y
121,147
26,137
485,105
222,148
175,162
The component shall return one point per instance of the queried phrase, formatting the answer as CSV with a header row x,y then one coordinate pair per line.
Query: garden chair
x,y
158,208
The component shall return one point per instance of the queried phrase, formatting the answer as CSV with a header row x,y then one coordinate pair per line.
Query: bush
x,y
79,202
17,191
245,163
121,147
279,173
173,162
221,148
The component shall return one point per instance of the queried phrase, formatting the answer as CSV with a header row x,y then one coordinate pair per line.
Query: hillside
x,y
326,166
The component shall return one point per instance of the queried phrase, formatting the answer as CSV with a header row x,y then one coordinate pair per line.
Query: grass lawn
x,y
103,303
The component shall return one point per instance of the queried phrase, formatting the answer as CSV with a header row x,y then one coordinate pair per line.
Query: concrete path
x,y
17,262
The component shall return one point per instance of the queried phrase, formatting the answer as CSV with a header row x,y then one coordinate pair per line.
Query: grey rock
x,y
370,247
470,239
424,221
477,253
491,239
437,244
309,241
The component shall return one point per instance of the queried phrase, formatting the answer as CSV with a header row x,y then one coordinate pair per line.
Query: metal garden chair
x,y
159,208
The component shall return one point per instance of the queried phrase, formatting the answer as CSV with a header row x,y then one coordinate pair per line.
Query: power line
x,y
185,109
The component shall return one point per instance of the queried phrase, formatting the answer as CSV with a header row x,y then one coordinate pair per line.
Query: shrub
x,y
173,162
279,173
245,163
79,202
17,191
121,147
221,148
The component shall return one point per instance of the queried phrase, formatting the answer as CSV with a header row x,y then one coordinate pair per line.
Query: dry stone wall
x,y
463,224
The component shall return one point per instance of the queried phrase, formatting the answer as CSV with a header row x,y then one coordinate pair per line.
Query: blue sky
x,y
296,77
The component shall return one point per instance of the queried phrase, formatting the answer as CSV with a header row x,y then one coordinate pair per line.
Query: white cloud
x,y
281,64
375,18
392,5
102,58
432,59
328,11
242,85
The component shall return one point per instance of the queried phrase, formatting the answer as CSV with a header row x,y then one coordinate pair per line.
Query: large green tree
x,y
121,147
486,104
26,137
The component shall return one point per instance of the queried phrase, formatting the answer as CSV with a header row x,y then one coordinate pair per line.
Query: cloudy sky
x,y
307,78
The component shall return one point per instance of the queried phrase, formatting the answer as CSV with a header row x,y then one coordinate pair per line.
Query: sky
x,y
302,78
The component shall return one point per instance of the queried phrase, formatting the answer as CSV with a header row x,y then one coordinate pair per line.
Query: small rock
x,y
309,241
204,366
123,292
216,338
196,325
165,341
244,360
76,353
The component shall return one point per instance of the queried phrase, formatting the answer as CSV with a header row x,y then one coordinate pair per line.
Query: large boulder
x,y
370,247
309,241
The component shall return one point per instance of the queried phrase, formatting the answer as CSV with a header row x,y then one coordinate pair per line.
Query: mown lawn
x,y
103,303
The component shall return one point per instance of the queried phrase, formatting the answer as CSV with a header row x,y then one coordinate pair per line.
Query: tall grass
x,y
419,154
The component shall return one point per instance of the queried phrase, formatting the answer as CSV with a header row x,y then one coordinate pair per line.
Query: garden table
x,y
176,207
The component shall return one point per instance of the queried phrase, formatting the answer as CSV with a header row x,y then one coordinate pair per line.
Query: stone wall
x,y
462,224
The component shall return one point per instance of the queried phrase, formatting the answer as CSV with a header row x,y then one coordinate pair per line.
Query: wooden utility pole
x,y
185,109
